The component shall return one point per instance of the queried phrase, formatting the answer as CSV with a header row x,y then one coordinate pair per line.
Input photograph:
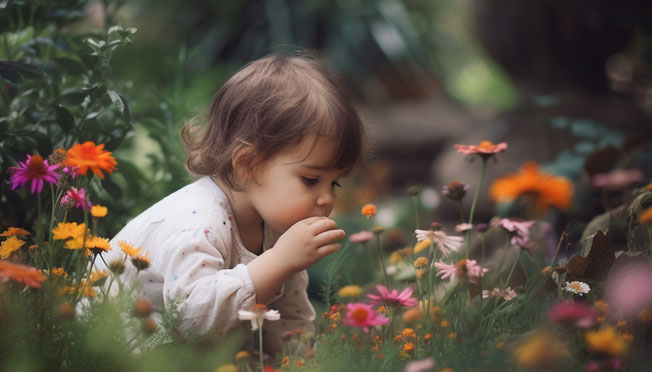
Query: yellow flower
x,y
350,291
452,335
242,356
368,210
98,278
395,257
540,349
129,249
65,230
412,315
227,368
546,271
141,262
444,323
15,231
285,361
97,245
420,262
98,211
59,271
422,245
606,341
9,246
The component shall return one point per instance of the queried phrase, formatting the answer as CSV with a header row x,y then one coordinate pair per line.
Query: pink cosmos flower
x,y
445,243
258,314
520,231
361,237
462,227
573,313
36,170
77,196
363,316
629,289
464,268
617,179
484,149
393,298
507,294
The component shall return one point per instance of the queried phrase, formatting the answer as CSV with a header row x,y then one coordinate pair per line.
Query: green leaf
x,y
64,118
73,97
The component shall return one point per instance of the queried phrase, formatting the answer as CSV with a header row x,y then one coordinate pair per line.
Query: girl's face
x,y
295,184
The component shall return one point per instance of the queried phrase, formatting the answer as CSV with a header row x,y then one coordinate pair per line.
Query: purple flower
x,y
393,298
78,197
35,169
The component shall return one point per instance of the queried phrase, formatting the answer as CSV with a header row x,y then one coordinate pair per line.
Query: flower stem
x,y
502,258
467,242
380,259
416,210
518,257
260,345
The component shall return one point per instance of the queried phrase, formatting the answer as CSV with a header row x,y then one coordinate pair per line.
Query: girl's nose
x,y
326,199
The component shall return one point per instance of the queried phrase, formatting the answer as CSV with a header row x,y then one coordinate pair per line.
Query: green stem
x,y
502,258
461,210
260,345
467,241
482,244
518,257
39,232
416,210
380,259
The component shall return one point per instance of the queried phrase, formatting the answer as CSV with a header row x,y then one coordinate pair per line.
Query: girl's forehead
x,y
312,152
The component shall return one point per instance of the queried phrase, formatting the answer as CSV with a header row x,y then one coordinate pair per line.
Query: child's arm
x,y
301,246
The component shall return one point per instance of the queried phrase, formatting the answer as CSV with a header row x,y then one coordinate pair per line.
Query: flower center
x,y
575,286
359,315
36,167
486,145
461,268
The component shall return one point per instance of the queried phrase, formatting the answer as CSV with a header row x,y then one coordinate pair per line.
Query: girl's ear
x,y
242,163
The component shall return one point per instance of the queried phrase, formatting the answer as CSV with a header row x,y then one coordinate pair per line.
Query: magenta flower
x,y
361,237
363,316
573,313
393,298
35,169
78,197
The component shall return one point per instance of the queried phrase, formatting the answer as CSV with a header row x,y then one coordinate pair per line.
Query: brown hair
x,y
271,104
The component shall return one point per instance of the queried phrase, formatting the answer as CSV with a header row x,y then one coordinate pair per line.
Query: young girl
x,y
279,136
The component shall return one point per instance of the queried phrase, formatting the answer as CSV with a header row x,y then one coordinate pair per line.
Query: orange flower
x,y
545,189
368,210
21,274
646,216
15,231
485,149
408,347
98,211
87,155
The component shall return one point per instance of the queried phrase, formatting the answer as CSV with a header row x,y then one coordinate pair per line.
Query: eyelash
x,y
313,181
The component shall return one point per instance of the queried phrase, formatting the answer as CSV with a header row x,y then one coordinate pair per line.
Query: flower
x,y
455,190
445,243
15,231
423,365
129,249
71,231
412,315
363,316
629,289
464,268
507,294
98,211
88,155
9,246
34,169
368,210
98,278
645,216
577,287
258,314
421,245
519,230
242,356
617,179
462,227
540,350
545,189
485,149
141,261
21,274
78,197
573,313
227,368
350,291
361,237
606,341
97,245
408,347
393,298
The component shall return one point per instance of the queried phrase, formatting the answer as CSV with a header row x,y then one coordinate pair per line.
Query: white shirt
x,y
197,257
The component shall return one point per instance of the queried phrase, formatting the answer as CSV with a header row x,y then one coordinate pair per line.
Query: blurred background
x,y
567,84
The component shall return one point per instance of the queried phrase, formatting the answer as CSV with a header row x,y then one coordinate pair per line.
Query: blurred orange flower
x,y
21,274
15,231
646,216
88,155
545,189
368,210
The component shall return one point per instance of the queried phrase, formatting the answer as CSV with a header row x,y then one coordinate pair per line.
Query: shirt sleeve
x,y
296,312
196,274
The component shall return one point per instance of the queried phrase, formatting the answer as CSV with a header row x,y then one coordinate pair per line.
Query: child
x,y
279,136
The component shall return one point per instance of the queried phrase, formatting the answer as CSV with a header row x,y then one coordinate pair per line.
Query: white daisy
x,y
258,314
577,287
445,243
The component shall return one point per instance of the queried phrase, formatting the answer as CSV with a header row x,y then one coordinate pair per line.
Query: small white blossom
x,y
258,314
577,287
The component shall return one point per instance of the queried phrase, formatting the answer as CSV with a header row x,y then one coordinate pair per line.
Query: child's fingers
x,y
328,249
329,236
323,225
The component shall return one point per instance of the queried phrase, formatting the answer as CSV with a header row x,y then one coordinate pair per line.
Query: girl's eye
x,y
309,181
336,184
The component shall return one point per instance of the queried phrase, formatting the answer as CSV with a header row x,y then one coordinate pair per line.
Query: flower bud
x,y
149,326
117,267
142,308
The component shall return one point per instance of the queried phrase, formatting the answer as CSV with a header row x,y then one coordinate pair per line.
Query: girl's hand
x,y
307,242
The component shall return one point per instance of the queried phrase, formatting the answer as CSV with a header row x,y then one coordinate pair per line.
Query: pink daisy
x,y
464,268
363,316
78,197
573,313
393,298
519,230
361,237
485,149
35,169
445,243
